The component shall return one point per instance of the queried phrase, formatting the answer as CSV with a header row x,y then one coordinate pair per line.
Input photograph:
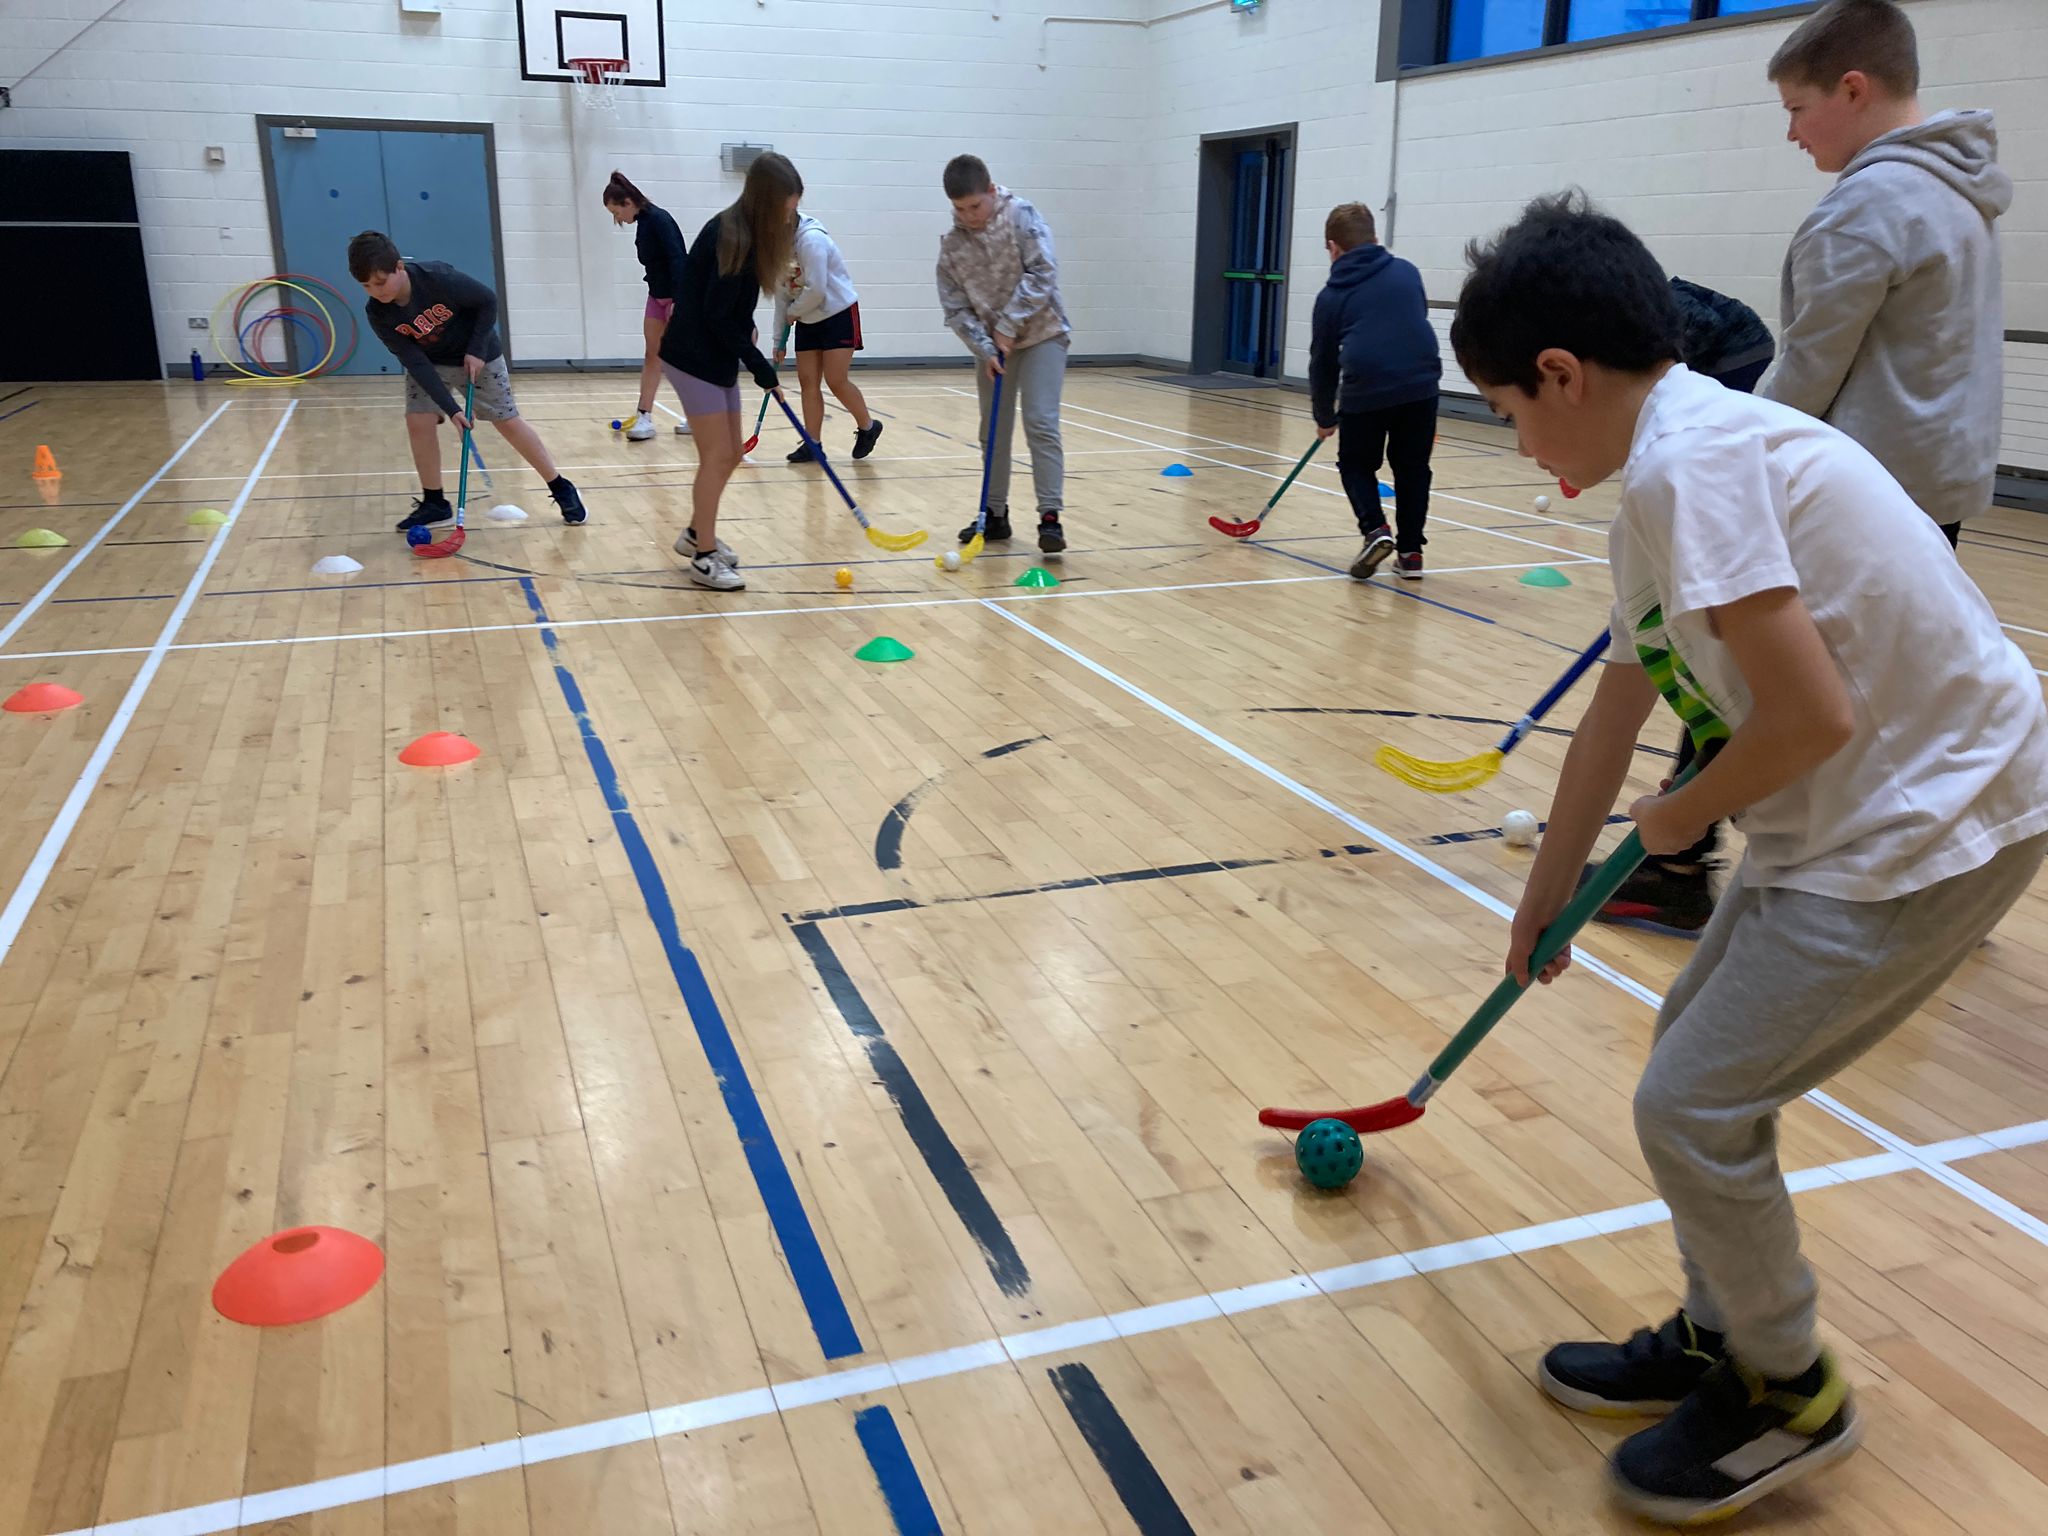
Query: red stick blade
x,y
1365,1119
1236,530
750,444
441,549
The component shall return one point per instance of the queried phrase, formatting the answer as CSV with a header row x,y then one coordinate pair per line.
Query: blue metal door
x,y
1256,276
330,188
429,191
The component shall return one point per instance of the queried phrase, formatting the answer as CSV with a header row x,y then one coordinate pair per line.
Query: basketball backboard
x,y
552,32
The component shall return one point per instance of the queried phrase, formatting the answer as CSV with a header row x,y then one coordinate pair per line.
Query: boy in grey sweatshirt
x,y
999,285
1894,319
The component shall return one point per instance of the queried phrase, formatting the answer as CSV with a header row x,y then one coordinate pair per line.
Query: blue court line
x,y
800,1249
20,408
895,1473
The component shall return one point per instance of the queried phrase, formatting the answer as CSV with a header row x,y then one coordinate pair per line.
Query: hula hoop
x,y
342,303
293,281
269,378
299,317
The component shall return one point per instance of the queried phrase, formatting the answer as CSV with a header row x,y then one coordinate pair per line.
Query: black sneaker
x,y
568,501
1379,547
426,511
1652,1373
802,455
864,439
997,527
1052,539
1660,898
1738,1437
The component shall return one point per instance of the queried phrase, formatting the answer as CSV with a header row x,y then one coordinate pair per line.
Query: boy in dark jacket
x,y
442,325
1373,372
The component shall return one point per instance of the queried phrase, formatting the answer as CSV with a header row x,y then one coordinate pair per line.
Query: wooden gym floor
x,y
796,1095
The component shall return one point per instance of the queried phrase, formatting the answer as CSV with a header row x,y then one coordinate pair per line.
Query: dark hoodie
x,y
711,334
1371,346
1894,317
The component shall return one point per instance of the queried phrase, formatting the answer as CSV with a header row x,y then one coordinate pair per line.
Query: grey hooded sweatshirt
x,y
1894,320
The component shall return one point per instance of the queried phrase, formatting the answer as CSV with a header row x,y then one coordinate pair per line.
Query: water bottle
x,y
198,368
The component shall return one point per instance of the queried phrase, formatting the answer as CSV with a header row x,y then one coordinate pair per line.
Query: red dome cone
x,y
440,749
296,1276
42,699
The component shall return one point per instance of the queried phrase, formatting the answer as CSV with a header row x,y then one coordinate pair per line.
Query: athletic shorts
x,y
700,398
834,333
494,400
660,309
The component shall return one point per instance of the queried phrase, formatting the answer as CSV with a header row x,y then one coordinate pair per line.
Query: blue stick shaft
x,y
988,449
1558,690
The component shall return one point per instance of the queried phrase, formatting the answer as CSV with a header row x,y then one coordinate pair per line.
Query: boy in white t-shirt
x,y
1881,744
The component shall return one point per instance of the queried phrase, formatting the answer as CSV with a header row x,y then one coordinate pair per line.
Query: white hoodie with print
x,y
819,288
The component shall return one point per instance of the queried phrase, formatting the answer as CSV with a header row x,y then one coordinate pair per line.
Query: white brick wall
x,y
1684,138
870,100
1681,136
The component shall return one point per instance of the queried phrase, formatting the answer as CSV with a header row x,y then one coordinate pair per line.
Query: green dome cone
x,y
1037,576
1546,576
41,538
206,517
884,648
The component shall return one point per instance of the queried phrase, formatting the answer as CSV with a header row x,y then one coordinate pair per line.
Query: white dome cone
x,y
505,512
336,565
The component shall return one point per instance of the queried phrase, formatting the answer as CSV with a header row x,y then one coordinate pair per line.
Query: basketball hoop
x,y
597,82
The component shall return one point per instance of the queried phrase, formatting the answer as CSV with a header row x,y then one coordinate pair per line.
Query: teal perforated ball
x,y
1328,1153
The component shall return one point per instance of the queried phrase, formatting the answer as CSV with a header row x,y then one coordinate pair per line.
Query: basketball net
x,y
596,82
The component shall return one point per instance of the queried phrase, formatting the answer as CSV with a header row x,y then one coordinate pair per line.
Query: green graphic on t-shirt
x,y
1675,681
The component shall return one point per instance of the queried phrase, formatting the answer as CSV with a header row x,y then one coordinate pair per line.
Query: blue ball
x,y
418,536
616,425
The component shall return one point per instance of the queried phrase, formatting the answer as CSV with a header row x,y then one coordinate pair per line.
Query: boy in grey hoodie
x,y
999,286
1894,318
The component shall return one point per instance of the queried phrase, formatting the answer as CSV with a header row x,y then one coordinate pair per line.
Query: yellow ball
x,y
843,577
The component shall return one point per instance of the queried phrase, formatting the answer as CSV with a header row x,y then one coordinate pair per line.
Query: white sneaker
x,y
640,428
683,428
686,546
714,572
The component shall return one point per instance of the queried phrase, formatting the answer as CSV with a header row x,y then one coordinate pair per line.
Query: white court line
x,y
1061,595
37,874
28,609
647,467
1968,1188
1004,1350
1321,490
1435,492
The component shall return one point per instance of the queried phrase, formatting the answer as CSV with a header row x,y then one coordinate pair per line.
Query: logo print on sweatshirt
x,y
1675,681
426,322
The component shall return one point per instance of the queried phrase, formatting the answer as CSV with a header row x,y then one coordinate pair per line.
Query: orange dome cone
x,y
296,1276
440,749
42,699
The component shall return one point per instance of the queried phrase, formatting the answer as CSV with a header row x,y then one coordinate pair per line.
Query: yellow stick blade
x,y
1439,778
896,541
970,549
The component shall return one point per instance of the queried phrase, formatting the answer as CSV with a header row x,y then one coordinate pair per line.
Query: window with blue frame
x,y
1604,18
1481,28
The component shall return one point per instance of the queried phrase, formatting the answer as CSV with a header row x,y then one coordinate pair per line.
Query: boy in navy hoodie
x,y
1373,372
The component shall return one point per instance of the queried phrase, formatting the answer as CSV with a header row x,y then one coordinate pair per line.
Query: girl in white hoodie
x,y
818,296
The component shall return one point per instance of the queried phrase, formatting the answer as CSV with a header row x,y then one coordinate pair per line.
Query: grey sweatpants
x,y
1032,379
1786,990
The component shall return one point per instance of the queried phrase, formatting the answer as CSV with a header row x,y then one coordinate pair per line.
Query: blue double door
x,y
429,190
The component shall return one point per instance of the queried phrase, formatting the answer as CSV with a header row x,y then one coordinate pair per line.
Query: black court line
x,y
1424,714
1146,1498
949,1170
889,835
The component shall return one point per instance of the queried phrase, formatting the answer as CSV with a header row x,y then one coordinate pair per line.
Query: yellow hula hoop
x,y
236,295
